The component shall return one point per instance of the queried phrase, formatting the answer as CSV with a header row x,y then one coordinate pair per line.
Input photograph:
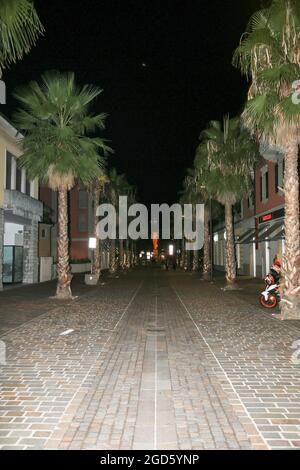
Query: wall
x,y
6,143
274,199
45,269
45,242
9,143
78,239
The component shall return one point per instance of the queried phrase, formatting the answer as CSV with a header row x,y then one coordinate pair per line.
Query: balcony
x,y
20,205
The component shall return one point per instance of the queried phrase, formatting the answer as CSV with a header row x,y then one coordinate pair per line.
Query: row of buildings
x,y
259,225
28,214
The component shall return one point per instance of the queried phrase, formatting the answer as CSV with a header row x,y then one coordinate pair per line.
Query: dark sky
x,y
155,112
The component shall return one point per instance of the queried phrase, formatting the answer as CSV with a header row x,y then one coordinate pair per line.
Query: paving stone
x,y
152,363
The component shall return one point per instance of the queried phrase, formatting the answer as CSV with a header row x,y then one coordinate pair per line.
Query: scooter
x,y
270,297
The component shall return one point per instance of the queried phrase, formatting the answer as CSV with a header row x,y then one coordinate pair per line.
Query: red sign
x,y
267,217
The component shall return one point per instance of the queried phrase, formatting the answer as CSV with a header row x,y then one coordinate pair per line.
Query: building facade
x,y
20,213
81,228
259,227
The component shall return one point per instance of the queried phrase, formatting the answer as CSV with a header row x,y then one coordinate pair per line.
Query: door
x,y
12,264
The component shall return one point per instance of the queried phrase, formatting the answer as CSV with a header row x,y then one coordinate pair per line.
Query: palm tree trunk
x,y
96,220
186,260
121,251
64,275
181,263
133,257
195,261
290,306
113,262
230,252
127,250
206,246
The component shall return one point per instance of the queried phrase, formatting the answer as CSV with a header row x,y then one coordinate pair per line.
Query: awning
x,y
268,233
265,233
247,237
279,235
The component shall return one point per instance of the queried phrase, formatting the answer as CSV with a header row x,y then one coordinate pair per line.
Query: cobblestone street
x,y
150,360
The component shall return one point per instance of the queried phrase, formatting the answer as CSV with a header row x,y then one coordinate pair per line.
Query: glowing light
x,y
92,243
171,250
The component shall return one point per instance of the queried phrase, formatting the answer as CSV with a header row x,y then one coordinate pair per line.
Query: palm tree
x,y
97,188
201,170
184,199
129,258
117,187
129,191
20,28
231,155
269,54
191,195
197,192
55,118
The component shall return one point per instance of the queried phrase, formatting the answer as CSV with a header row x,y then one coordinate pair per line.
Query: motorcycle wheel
x,y
270,303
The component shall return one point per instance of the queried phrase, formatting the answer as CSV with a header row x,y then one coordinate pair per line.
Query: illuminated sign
x,y
266,218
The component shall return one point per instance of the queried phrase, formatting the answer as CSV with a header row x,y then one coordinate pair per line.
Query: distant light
x,y
216,237
148,255
92,243
171,250
144,64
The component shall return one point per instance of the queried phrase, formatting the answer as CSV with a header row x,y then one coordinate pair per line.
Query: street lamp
x,y
92,246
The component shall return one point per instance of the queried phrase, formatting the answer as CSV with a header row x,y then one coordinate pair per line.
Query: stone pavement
x,y
155,360
22,303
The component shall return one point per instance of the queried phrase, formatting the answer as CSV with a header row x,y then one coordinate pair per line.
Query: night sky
x,y
165,68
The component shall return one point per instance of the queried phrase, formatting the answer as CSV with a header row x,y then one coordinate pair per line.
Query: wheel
x,y
270,303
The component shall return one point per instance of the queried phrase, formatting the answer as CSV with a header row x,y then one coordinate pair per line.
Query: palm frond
x,y
20,28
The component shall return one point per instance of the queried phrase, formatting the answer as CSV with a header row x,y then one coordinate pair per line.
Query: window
x,y
279,175
8,170
19,180
261,187
83,200
267,184
82,223
276,177
43,234
264,184
27,187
